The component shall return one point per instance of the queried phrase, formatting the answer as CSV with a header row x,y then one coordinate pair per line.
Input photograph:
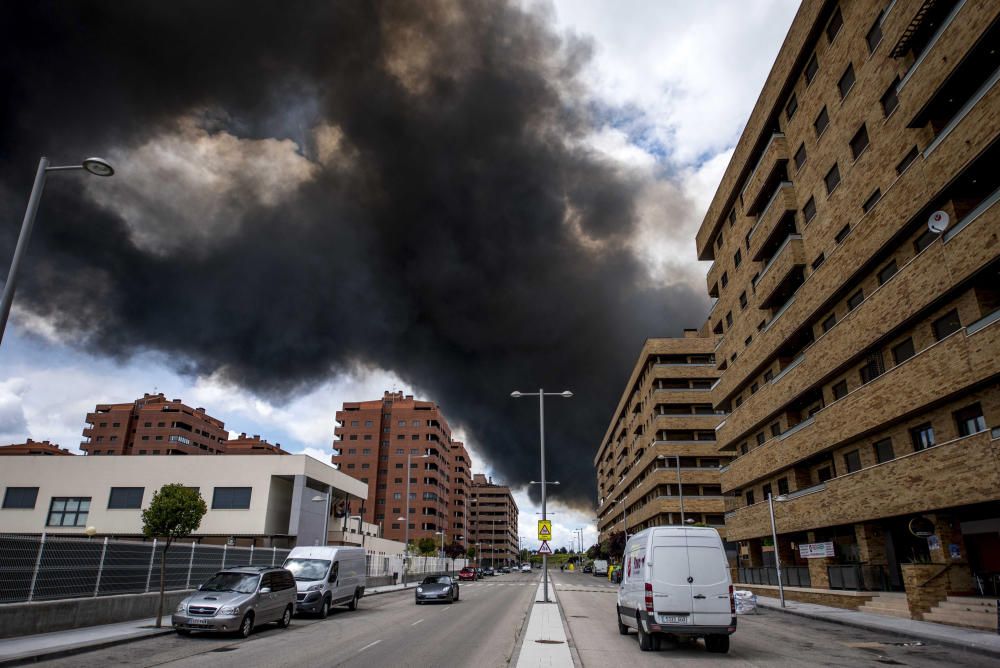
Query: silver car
x,y
238,599
436,588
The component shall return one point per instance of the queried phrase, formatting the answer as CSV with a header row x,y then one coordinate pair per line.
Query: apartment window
x,y
872,200
768,375
855,300
366,466
761,438
846,82
889,98
738,401
20,498
947,324
352,451
352,437
68,511
399,465
761,325
883,451
369,423
148,424
159,438
725,279
718,240
873,368
922,437
800,156
145,438
824,474
887,272
809,210
743,299
821,122
747,341
874,35
415,437
231,498
395,525
818,262
840,389
842,234
812,67
903,351
749,497
161,424
125,498
737,258
830,321
852,461
729,319
754,387
832,179
766,491
732,216
791,107
744,448
401,423
835,24
907,160
354,423
970,420
859,142
350,466
398,481
776,429
782,486
367,437
924,240
366,451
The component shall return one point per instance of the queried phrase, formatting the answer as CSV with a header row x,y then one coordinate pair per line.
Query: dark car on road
x,y
437,588
588,569
489,572
467,574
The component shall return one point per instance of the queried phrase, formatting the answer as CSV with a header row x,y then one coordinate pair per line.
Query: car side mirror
x,y
200,587
265,590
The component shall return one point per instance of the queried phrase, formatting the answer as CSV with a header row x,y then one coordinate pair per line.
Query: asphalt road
x,y
387,630
771,638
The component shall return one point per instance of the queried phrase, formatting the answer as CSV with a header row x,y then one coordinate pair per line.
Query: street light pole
x,y
777,558
406,525
96,166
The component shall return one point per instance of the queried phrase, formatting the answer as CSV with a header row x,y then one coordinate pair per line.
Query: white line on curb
x,y
372,644
416,622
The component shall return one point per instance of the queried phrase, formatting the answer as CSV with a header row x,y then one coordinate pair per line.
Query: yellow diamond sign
x,y
544,529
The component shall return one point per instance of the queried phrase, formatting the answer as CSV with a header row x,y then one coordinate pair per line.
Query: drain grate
x,y
550,642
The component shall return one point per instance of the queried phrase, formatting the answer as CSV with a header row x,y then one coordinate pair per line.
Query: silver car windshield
x,y
308,569
242,583
437,579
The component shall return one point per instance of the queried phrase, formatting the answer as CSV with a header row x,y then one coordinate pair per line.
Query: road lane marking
x,y
416,622
371,644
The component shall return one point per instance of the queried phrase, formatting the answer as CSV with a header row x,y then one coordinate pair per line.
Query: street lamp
x,y
325,498
441,533
680,488
624,514
541,394
774,538
406,527
95,166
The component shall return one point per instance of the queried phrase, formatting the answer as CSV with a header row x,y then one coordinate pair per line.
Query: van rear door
x,y
671,589
709,571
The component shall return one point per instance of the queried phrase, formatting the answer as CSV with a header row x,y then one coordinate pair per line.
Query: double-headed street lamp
x,y
96,166
774,538
541,394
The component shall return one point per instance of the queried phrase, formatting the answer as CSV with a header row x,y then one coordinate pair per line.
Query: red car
x,y
467,574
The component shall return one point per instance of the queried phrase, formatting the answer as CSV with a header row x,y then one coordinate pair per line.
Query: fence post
x,y
251,554
274,554
225,549
100,567
190,566
149,573
38,562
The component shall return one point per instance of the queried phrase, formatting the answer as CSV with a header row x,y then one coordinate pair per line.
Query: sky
x,y
455,200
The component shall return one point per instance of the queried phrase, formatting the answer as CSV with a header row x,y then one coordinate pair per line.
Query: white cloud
x,y
13,425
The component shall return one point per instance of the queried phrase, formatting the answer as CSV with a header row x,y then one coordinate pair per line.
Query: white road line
x,y
416,622
371,644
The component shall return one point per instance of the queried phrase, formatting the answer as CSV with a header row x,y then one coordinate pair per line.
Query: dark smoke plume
x,y
405,186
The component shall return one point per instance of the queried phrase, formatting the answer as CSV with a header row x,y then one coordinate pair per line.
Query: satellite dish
x,y
938,222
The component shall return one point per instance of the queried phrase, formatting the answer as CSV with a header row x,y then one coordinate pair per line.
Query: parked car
x,y
676,583
436,588
479,573
327,576
238,599
467,574
489,572
505,569
525,568
589,568
600,567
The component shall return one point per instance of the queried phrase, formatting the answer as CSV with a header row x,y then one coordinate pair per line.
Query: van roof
x,y
324,551
676,531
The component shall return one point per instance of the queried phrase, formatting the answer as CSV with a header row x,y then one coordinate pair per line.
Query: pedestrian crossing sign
x,y
544,529
544,548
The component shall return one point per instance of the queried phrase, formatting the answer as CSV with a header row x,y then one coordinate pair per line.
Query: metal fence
x,y
41,568
792,576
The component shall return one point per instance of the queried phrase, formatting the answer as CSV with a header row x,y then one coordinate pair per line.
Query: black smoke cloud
x,y
468,241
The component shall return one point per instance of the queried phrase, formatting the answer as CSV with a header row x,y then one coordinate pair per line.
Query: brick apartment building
x,y
664,420
252,445
493,522
372,443
153,425
30,447
859,349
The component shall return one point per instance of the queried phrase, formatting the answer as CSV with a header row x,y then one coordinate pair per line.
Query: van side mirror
x,y
265,590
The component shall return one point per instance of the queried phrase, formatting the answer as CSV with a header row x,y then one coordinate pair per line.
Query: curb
x,y
974,649
515,652
82,648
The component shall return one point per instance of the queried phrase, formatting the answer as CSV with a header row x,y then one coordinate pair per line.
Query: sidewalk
x,y
63,643
982,642
544,642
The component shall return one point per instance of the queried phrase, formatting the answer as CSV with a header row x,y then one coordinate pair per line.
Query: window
x,y
725,279
824,474
68,511
729,319
791,107
369,423
366,451
922,437
840,390
889,98
903,351
887,272
859,142
872,200
401,423
122,498
732,217
970,420
800,156
830,321
367,437
883,450
737,258
821,122
718,240
415,437
743,448
354,423
855,300
747,341
852,461
907,160
231,498
738,401
766,490
743,299
749,497
947,324
776,429
21,498
768,375
761,438
818,262
754,387
832,179
874,35
846,82
842,234
873,368
812,67
782,486
352,437
924,240
809,210
835,24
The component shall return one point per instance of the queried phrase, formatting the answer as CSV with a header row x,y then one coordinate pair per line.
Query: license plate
x,y
673,619
200,622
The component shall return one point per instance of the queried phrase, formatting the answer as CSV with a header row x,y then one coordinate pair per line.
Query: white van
x,y
326,576
600,567
676,583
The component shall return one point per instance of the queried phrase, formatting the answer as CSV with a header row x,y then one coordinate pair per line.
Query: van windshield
x,y
243,583
308,569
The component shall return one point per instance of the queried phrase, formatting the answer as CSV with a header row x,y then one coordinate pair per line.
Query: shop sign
x,y
816,550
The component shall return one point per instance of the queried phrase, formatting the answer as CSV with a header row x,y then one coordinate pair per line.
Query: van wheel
x,y
717,644
246,626
286,618
645,639
353,605
622,629
324,610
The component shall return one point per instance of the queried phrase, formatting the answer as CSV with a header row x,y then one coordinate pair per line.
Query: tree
x,y
616,545
427,546
471,552
175,512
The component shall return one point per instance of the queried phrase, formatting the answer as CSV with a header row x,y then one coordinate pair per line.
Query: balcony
x,y
774,224
768,171
783,274
955,363
956,466
687,422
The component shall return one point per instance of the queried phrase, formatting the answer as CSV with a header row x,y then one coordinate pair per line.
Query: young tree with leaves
x,y
175,512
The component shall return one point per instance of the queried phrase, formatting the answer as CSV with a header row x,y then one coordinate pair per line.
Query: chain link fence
x,y
43,568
